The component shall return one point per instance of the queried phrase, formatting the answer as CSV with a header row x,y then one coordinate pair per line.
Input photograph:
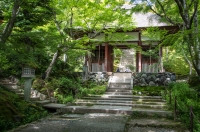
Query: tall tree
x,y
7,30
183,13
19,36
76,19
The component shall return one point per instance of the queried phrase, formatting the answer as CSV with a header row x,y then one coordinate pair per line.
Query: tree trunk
x,y
53,61
190,64
9,26
197,44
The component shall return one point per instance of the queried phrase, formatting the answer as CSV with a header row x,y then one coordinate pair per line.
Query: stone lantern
x,y
28,74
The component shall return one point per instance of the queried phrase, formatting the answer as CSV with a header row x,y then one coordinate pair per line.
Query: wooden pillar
x,y
161,61
139,55
108,58
111,58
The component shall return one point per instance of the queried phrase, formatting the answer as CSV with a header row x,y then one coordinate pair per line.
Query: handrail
x,y
192,115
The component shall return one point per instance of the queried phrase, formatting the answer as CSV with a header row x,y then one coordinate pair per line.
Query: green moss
x,y
148,90
14,111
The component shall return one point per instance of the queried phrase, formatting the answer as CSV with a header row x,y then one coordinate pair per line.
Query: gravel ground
x,y
81,123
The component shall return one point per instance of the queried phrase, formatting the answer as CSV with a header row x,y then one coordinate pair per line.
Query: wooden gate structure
x,y
103,58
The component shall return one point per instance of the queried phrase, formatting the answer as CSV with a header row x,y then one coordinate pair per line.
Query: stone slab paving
x,y
42,102
96,122
154,125
162,122
151,129
155,106
98,109
54,105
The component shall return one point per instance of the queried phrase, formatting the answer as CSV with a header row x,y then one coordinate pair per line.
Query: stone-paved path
x,y
99,122
95,122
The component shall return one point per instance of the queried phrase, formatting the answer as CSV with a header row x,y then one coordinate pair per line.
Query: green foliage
x,y
185,97
148,90
131,67
64,99
38,84
66,89
175,63
14,111
98,90
193,81
186,40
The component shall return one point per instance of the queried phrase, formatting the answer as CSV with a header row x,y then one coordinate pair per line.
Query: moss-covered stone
x,y
148,90
15,111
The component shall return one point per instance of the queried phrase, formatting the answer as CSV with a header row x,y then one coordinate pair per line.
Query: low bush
x,y
14,111
98,90
186,97
64,99
148,90
67,89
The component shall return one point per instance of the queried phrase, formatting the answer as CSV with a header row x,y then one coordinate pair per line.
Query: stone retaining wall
x,y
153,79
98,76
139,79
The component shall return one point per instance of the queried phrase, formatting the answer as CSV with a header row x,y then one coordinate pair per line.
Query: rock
x,y
167,82
157,80
162,79
151,78
173,77
144,76
53,100
43,97
144,79
151,83
142,84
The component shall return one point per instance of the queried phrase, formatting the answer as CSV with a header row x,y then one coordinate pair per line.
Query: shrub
x,y
64,99
186,97
14,111
148,90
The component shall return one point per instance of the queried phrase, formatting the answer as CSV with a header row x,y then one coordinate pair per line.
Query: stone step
x,y
122,104
121,101
154,125
120,83
17,90
119,93
34,98
127,99
106,98
120,86
125,96
42,102
10,85
113,110
119,90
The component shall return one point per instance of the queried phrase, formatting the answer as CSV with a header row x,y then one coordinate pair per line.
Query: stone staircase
x,y
118,99
12,85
